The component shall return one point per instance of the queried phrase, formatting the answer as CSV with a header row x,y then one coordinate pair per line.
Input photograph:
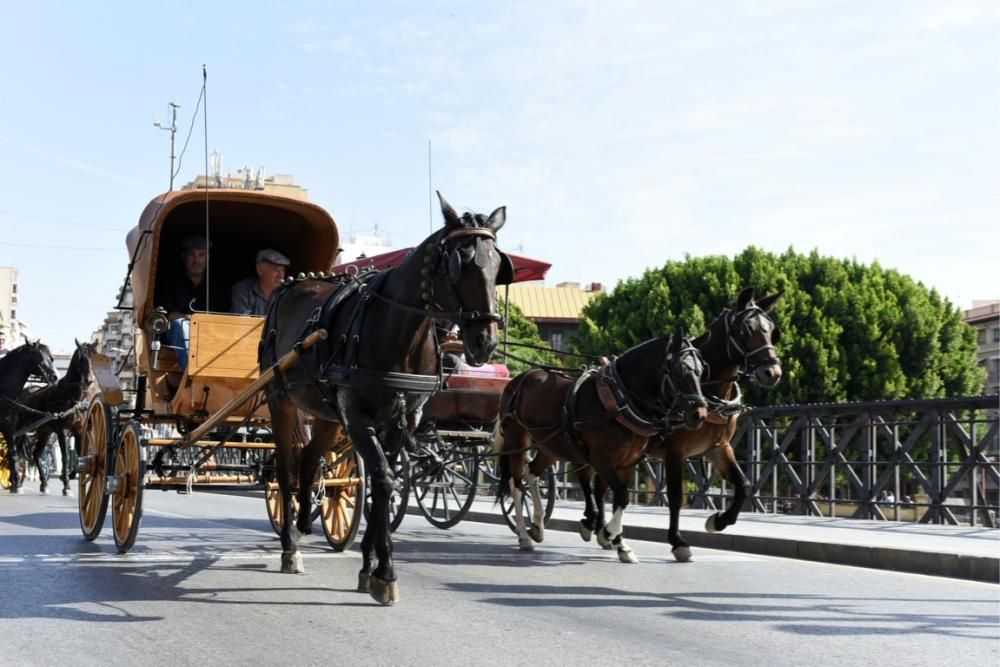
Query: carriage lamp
x,y
156,322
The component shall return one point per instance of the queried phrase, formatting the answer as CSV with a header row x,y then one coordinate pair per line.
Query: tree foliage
x,y
850,331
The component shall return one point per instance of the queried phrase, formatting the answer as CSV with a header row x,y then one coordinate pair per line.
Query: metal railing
x,y
930,461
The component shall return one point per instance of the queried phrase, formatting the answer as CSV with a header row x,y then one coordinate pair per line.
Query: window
x,y
982,337
556,340
996,334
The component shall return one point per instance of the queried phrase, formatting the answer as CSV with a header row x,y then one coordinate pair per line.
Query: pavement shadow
x,y
802,614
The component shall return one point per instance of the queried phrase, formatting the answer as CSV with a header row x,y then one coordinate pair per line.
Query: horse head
x,y
81,359
683,368
39,361
751,336
468,267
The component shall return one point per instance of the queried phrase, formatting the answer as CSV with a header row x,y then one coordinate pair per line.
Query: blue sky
x,y
619,135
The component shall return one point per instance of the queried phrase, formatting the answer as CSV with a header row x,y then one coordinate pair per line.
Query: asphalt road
x,y
202,587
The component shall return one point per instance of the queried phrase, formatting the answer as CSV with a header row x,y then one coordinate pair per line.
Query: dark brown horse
x,y
378,367
602,421
63,399
739,343
20,364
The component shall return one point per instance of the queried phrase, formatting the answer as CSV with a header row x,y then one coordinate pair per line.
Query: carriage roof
x,y
240,222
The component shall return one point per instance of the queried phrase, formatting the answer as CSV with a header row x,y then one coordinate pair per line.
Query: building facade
x,y
8,307
985,317
555,310
115,338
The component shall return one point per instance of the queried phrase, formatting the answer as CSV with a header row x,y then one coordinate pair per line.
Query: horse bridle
x,y
669,384
737,326
441,260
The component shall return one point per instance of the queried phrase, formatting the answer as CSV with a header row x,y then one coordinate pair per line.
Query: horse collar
x,y
614,400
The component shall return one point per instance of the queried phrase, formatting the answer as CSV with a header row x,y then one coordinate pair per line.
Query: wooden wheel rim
x,y
123,511
95,444
276,508
340,502
4,465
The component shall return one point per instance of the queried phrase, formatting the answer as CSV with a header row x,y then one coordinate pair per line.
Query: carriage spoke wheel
x,y
4,465
399,499
276,508
547,489
444,479
92,472
127,486
343,480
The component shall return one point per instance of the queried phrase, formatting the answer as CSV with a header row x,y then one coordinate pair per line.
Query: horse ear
x,y
451,218
497,218
767,303
77,342
744,298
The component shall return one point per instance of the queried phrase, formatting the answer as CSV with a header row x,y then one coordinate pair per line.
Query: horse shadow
x,y
830,614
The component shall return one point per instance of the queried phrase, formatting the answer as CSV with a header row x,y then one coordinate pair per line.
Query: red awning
x,y
525,268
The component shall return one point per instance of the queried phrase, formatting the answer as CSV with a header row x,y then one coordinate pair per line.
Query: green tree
x,y
522,331
850,331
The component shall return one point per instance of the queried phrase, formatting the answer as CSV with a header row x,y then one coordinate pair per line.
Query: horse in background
x,y
31,360
602,421
739,344
378,367
64,399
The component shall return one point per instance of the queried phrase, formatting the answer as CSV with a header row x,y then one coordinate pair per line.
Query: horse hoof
x,y
43,490
67,492
291,562
536,533
364,582
627,556
710,524
604,540
585,533
525,544
16,490
682,554
384,592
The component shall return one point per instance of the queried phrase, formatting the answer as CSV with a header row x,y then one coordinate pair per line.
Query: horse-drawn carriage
x,y
206,424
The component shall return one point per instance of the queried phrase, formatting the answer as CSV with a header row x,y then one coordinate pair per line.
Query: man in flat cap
x,y
185,294
250,296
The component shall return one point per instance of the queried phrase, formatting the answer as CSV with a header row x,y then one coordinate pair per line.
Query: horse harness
x,y
341,366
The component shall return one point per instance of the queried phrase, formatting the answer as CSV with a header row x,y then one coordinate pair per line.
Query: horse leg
x,y
613,531
512,466
15,476
37,457
64,457
600,490
382,584
584,477
283,415
724,461
673,466
536,469
324,434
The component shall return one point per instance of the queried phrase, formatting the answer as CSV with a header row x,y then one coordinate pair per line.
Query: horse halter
x,y
442,261
690,359
738,328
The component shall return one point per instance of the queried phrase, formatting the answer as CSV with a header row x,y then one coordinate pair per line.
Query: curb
x,y
956,566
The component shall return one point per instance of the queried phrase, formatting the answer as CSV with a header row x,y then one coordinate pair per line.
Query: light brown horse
x,y
601,420
739,343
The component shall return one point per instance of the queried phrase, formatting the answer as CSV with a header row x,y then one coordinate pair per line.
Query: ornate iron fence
x,y
932,461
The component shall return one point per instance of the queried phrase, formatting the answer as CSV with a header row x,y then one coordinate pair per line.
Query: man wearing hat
x,y
186,294
250,296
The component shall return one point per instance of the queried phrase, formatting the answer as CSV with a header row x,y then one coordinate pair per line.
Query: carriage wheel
x,y
547,488
444,479
275,508
399,500
340,513
4,465
93,466
127,486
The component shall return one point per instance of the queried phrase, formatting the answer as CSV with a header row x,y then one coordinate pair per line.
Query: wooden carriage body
x,y
222,353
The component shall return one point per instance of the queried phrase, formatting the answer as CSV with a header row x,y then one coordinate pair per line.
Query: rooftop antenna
x,y
430,191
173,107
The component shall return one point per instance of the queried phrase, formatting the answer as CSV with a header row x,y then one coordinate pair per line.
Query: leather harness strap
x,y
613,399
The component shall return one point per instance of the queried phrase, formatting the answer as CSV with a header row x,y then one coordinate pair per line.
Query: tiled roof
x,y
557,303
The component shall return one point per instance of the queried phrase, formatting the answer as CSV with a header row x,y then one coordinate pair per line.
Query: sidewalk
x,y
945,551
